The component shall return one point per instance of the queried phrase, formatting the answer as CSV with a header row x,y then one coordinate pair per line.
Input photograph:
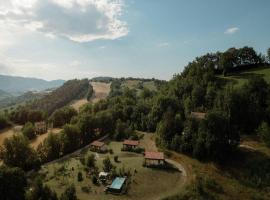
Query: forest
x,y
230,113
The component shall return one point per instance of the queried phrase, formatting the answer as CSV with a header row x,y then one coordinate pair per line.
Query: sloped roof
x,y
154,155
97,144
198,115
131,142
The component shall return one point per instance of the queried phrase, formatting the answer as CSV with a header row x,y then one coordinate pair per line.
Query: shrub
x,y
80,177
110,151
115,158
91,161
29,131
94,180
107,165
85,189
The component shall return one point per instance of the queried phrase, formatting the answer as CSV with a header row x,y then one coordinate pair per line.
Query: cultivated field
x,y
101,91
146,183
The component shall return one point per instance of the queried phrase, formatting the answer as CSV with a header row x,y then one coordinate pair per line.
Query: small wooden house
x,y
41,127
154,158
98,146
198,115
130,144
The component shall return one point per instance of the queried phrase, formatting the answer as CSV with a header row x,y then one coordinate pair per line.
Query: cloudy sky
x,y
65,39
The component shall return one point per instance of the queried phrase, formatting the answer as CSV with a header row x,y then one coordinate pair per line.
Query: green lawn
x,y
242,77
147,183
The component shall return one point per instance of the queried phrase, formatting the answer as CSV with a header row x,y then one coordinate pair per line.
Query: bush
x,y
29,131
91,161
116,159
107,165
110,151
94,180
264,132
4,123
85,189
80,177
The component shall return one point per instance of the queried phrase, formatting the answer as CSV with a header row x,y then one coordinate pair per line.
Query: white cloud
x,y
231,30
163,44
77,20
51,71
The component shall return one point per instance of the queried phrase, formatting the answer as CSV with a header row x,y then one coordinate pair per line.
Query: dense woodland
x,y
230,113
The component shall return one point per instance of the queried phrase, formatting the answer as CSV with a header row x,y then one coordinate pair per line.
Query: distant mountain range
x,y
13,85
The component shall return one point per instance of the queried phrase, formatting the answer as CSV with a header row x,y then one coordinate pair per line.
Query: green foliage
x,y
94,180
264,132
69,193
79,177
122,131
63,116
50,148
107,165
28,131
12,183
70,138
40,192
70,90
4,122
18,153
91,161
25,114
116,159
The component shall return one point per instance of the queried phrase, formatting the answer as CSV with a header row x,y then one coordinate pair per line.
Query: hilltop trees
x,y
268,55
4,122
63,116
17,152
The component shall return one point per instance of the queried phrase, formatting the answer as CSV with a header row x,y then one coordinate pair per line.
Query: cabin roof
x,y
154,155
97,143
131,142
198,115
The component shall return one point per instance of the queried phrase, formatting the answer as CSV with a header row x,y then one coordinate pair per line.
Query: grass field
x,y
232,177
146,183
242,77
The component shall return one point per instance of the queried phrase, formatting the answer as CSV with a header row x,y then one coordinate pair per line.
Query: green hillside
x,y
242,77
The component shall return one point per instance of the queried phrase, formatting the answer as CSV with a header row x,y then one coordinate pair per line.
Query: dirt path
x,y
40,138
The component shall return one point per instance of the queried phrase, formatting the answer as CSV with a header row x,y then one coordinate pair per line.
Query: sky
x,y
67,39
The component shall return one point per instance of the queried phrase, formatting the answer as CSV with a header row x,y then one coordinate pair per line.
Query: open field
x,y
101,91
146,183
242,77
235,178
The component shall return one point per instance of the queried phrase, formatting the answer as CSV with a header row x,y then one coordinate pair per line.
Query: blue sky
x,y
65,39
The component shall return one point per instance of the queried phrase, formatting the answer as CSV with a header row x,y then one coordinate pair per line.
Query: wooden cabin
x,y
130,144
198,115
98,146
154,158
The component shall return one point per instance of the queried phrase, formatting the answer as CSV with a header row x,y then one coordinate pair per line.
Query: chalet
x,y
154,158
41,127
198,115
130,144
98,146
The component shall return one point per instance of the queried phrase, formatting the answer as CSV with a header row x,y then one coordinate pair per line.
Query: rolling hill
x,y
18,85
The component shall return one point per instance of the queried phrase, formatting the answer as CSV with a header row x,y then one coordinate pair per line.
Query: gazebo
x,y
152,158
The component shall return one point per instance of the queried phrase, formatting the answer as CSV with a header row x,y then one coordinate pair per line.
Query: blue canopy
x,y
117,183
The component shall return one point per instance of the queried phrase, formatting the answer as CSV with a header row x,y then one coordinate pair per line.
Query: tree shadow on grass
x,y
251,168
246,76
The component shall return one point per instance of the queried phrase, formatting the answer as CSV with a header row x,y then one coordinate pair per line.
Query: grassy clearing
x,y
241,78
146,183
243,178
101,91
